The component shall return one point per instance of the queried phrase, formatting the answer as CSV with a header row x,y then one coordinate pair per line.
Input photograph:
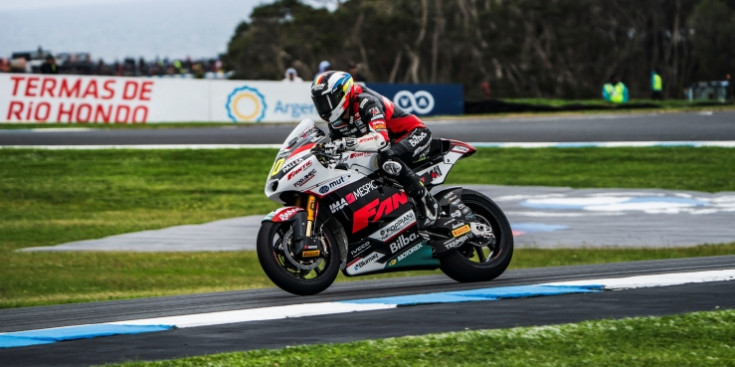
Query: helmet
x,y
332,92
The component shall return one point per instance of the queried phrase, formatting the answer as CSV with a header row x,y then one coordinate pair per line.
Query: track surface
x,y
377,324
415,320
713,126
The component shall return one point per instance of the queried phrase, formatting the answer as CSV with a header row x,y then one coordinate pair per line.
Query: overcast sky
x,y
116,29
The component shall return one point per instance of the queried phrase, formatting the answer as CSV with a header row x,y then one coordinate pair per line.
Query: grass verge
x,y
53,197
694,339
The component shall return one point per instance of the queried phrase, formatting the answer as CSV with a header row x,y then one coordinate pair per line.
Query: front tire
x,y
298,276
471,263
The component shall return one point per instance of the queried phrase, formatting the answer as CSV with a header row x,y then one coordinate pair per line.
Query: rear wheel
x,y
475,262
290,272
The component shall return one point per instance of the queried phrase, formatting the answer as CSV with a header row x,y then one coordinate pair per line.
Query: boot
x,y
427,209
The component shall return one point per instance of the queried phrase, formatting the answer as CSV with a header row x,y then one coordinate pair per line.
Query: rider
x,y
360,119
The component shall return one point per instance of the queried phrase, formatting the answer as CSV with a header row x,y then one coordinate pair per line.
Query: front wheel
x,y
289,272
475,262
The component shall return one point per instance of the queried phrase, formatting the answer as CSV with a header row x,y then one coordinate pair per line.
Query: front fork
x,y
307,245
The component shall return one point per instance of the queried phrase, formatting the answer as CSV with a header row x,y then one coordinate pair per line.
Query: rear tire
x,y
301,277
471,263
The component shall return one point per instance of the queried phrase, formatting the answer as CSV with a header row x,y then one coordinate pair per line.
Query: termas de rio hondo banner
x,y
103,99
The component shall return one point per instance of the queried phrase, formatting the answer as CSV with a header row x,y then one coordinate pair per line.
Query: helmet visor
x,y
326,103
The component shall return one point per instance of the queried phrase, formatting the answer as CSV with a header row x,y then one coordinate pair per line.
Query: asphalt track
x,y
414,320
689,126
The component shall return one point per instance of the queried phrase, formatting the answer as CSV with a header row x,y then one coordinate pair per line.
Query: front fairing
x,y
295,164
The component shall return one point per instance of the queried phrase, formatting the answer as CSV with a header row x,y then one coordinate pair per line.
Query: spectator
x,y
656,85
356,76
324,66
292,76
615,91
49,67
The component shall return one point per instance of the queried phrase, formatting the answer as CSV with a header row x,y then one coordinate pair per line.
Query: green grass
x,y
696,339
52,197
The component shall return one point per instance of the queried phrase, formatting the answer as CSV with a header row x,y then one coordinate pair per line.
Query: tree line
x,y
516,48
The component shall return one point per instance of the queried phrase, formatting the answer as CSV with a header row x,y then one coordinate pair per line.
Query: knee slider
x,y
392,168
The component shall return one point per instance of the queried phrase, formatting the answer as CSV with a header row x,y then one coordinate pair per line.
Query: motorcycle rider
x,y
362,120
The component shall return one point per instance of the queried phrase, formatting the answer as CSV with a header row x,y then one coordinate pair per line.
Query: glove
x,y
340,145
334,147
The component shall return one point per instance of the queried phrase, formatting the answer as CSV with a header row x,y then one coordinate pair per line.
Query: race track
x,y
536,309
630,127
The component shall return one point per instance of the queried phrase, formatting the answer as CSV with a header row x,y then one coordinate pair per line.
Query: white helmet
x,y
332,92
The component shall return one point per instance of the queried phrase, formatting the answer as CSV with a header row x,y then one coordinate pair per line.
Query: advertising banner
x,y
424,99
101,99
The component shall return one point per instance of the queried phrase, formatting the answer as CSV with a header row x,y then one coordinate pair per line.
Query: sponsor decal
x,y
421,102
358,155
287,214
435,172
461,230
364,190
403,241
408,252
298,170
310,253
456,242
306,178
325,187
416,139
460,149
379,126
395,227
246,104
374,210
367,260
337,205
360,249
292,164
367,139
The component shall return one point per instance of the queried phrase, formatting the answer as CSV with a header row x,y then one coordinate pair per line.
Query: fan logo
x,y
376,209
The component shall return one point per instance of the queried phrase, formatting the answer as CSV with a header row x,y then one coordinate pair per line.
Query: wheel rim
x,y
305,269
483,253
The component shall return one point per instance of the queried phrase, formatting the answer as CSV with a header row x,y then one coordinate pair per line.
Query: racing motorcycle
x,y
341,214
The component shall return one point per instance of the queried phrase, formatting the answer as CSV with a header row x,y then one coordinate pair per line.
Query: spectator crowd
x,y
43,61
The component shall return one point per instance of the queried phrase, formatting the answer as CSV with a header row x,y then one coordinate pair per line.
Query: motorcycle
x,y
341,214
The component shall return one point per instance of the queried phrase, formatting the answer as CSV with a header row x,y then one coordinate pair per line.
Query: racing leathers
x,y
373,123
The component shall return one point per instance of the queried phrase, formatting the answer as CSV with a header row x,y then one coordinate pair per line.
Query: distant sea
x,y
173,29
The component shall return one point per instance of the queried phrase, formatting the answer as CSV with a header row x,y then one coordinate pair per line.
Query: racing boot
x,y
427,208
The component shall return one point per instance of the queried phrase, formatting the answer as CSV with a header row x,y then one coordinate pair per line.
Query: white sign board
x,y
102,99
